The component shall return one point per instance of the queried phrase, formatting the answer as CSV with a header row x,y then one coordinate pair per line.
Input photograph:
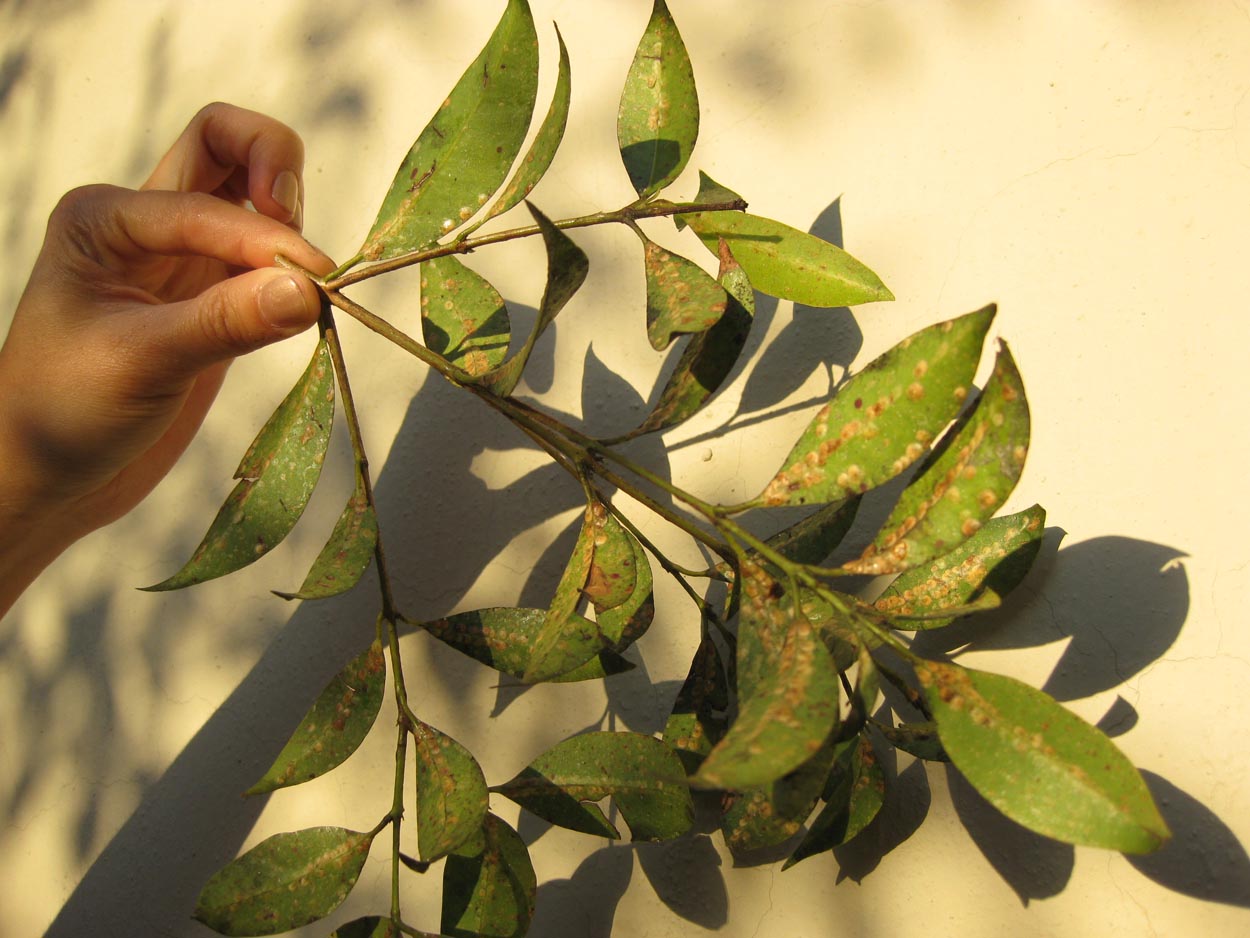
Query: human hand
x,y
137,303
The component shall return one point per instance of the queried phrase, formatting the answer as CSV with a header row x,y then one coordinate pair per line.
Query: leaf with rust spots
x,y
463,317
883,419
613,572
501,638
566,271
917,739
657,122
1039,764
347,554
854,793
489,886
834,627
284,882
451,793
335,726
681,296
697,721
465,151
788,691
992,562
709,356
626,622
279,472
783,261
642,775
962,484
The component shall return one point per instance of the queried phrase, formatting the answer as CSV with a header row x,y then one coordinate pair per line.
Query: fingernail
x,y
284,305
286,192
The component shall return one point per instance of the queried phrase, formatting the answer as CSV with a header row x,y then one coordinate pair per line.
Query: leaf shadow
x,y
585,903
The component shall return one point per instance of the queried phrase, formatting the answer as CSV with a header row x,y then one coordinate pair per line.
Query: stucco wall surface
x,y
1084,165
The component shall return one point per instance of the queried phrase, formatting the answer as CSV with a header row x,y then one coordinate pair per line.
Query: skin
x,y
137,304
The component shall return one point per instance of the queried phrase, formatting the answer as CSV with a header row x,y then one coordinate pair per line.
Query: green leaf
x,y
502,637
681,296
783,261
463,317
697,721
625,623
658,120
347,554
854,794
1039,764
918,739
814,538
284,882
334,728
489,887
567,266
451,793
642,775
708,357
993,561
613,573
957,490
787,691
542,151
279,472
883,419
764,817
465,151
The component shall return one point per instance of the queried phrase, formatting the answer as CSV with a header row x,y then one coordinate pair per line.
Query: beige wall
x,y
1085,165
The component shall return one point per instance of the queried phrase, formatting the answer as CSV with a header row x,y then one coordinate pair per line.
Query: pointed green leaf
x,y
993,561
814,538
542,151
347,554
642,775
624,624
697,722
279,472
489,887
783,261
463,317
764,817
787,691
1039,764
854,794
883,419
334,728
613,573
451,793
958,490
284,882
918,739
567,265
464,153
681,296
658,120
502,637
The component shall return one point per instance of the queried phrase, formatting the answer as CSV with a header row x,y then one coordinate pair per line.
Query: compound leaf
x,y
463,317
347,554
1039,764
465,151
681,296
658,119
284,882
451,793
279,472
489,886
334,728
642,775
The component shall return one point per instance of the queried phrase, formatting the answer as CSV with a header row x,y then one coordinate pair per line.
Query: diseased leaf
x,y
814,538
284,882
624,624
658,119
279,472
854,794
883,419
787,691
833,626
697,722
347,554
566,271
681,296
642,775
918,739
463,317
963,484
783,261
465,151
489,886
334,728
766,816
1041,765
451,793
502,637
613,573
993,561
